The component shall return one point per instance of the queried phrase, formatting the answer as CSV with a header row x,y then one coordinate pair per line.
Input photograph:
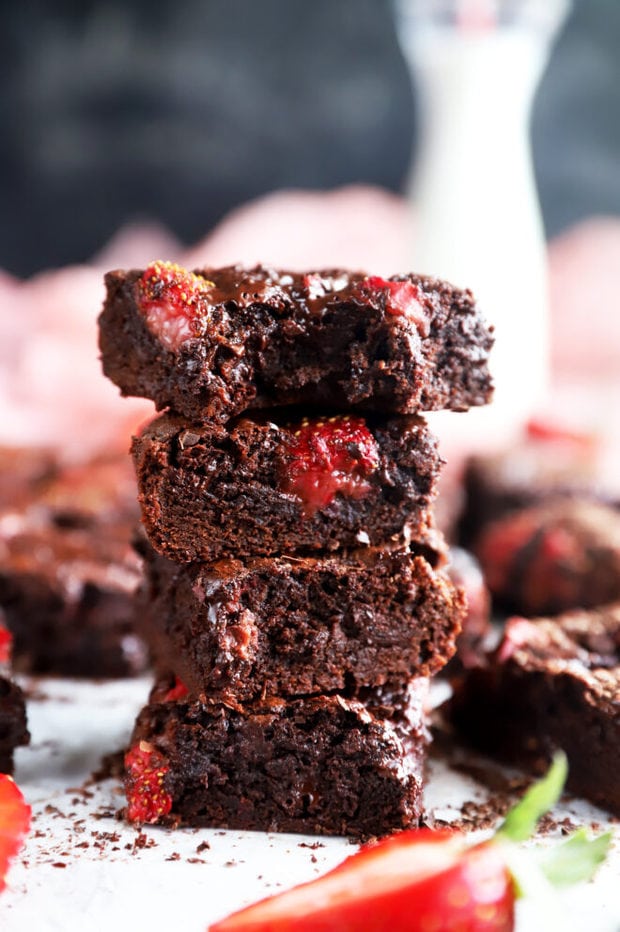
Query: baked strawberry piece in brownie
x,y
554,557
68,573
551,683
323,764
213,343
236,630
13,726
283,484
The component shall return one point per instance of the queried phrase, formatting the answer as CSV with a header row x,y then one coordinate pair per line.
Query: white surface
x,y
111,884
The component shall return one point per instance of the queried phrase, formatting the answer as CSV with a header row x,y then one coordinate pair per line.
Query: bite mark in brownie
x,y
551,683
324,765
237,630
255,338
265,486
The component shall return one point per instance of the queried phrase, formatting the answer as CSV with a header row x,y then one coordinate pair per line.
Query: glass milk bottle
x,y
475,65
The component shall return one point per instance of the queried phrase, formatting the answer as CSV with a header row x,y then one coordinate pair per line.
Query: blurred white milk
x,y
477,215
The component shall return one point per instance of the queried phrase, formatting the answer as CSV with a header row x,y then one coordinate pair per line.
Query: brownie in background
x,y
552,683
68,572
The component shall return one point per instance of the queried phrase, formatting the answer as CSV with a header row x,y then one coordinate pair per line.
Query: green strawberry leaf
x,y
521,821
576,859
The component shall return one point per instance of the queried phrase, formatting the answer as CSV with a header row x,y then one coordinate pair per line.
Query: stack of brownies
x,y
295,600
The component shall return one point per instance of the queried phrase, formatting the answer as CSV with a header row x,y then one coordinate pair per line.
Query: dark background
x,y
179,111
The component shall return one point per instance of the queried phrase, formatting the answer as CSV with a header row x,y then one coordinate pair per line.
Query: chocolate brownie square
x,y
68,574
236,630
553,557
264,486
545,464
552,683
213,343
321,765
23,471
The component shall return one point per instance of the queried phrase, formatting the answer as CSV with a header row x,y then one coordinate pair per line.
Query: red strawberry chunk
x,y
548,432
178,691
147,798
6,643
173,302
327,456
314,285
403,299
14,823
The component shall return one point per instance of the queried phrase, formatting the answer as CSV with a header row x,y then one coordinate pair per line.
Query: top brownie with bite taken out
x,y
213,343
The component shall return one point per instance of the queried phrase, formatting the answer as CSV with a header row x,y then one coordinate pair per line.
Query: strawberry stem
x,y
573,860
521,821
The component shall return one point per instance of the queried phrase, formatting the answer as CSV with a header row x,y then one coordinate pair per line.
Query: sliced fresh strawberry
x,y
415,880
14,823
147,797
420,881
327,456
171,299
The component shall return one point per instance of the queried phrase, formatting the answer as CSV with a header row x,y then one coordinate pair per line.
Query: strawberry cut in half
x,y
14,823
419,881
414,880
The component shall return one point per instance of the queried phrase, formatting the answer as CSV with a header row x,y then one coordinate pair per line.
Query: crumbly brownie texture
x,y
215,343
552,683
553,558
237,630
545,464
322,765
266,487
465,572
13,729
68,575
